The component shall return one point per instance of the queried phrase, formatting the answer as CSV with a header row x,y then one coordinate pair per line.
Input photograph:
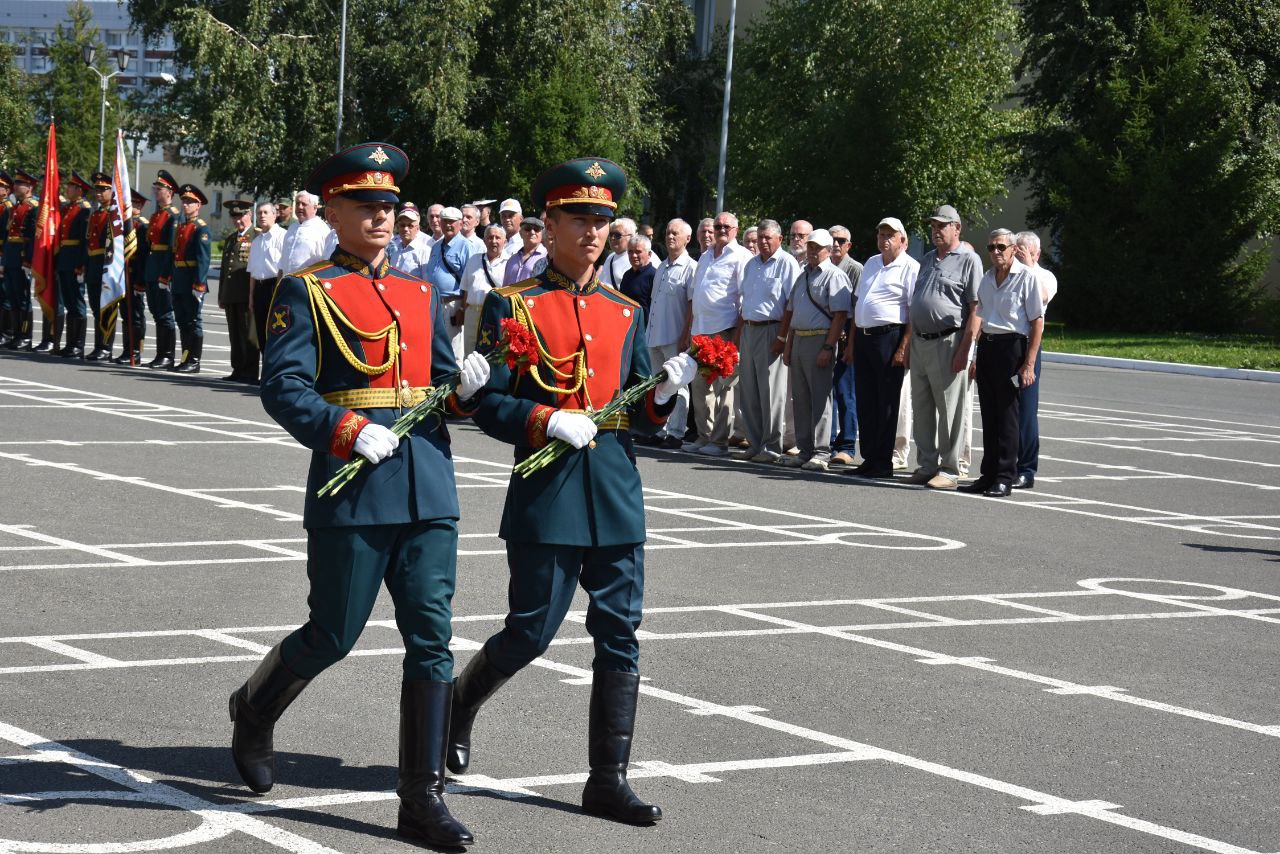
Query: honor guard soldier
x,y
160,236
20,239
191,252
233,292
135,303
101,247
6,205
73,232
580,519
351,342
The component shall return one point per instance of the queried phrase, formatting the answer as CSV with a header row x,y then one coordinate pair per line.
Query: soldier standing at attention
x,y
159,269
135,326
100,249
69,263
351,342
233,293
580,520
20,239
191,251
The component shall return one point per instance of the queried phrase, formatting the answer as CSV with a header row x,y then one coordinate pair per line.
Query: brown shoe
x,y
941,481
841,458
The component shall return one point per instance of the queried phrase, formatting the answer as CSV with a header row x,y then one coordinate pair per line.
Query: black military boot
x,y
50,335
163,359
424,722
132,352
194,346
75,338
96,355
476,684
609,728
22,322
108,343
255,708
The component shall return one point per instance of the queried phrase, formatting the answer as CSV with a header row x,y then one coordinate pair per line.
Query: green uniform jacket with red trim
x,y
302,361
587,497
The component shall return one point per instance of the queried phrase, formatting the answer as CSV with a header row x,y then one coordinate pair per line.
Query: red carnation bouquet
x,y
716,357
517,347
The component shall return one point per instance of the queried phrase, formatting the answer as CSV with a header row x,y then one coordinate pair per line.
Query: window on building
x,y
115,38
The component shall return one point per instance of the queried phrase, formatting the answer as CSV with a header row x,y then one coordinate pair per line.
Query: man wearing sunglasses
x,y
1011,317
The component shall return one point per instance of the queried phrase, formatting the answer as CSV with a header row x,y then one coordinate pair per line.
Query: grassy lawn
x,y
1225,351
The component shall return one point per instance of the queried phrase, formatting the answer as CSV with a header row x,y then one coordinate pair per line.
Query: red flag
x,y
47,221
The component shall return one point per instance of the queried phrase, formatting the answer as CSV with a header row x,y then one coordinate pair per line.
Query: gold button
x,y
626,312
404,345
582,303
423,288
396,311
328,286
591,372
529,302
381,286
586,337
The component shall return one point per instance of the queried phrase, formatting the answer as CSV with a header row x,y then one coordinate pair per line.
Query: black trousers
x,y
877,390
999,359
244,353
263,290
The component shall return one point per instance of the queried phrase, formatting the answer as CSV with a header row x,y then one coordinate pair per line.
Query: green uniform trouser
x,y
346,566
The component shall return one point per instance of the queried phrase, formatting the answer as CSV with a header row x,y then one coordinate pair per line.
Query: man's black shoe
x,y
998,490
976,487
1024,481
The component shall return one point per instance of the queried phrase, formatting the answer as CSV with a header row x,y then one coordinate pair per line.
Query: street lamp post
x,y
122,62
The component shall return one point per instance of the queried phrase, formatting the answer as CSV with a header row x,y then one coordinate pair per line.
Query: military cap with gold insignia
x,y
584,185
369,172
237,206
100,180
20,177
78,181
139,200
5,180
192,193
164,179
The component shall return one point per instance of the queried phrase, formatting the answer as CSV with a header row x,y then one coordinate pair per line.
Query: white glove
x,y
573,427
375,443
680,370
475,373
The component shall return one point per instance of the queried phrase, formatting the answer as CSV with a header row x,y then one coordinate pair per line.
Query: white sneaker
x,y
815,465
765,457
694,446
712,451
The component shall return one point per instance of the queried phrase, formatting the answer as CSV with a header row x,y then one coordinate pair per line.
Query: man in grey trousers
x,y
820,302
946,294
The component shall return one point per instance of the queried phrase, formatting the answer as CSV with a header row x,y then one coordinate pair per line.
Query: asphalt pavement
x,y
830,664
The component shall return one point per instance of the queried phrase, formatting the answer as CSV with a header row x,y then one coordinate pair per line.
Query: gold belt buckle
x,y
406,396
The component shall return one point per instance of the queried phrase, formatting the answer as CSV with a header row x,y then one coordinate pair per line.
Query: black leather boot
x,y
477,683
96,354
76,327
132,352
164,349
195,346
255,708
609,729
424,722
50,335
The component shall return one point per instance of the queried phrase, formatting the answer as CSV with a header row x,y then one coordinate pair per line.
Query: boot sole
x,y
408,831
604,812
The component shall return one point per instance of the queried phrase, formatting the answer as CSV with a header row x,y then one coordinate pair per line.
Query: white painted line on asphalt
x,y
72,545
1218,422
50,645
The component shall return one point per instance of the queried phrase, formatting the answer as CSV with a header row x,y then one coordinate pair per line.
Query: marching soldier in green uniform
x,y
20,239
159,269
73,232
191,252
580,520
6,206
350,343
135,303
233,292
100,250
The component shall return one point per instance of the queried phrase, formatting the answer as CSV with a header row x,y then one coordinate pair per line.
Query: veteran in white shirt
x,y
481,274
309,238
669,317
264,266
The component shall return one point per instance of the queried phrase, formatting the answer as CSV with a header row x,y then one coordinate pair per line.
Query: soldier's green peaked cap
x,y
584,185
369,172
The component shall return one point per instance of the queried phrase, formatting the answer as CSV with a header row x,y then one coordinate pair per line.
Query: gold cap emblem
x,y
594,171
379,156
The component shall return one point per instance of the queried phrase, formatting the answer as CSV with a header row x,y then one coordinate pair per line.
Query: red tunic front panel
x,y
597,322
17,217
97,230
372,305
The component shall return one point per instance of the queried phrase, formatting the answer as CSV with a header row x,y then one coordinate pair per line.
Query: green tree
x,y
1155,156
71,93
19,140
851,110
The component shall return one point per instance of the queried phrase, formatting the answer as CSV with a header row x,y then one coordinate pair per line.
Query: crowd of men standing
x,y
837,355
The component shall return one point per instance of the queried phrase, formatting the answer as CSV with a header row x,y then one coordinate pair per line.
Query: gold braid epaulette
x,y
327,308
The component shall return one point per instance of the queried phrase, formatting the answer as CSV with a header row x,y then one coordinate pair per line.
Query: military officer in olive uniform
x,y
20,240
73,232
191,251
581,519
135,302
159,269
233,292
100,250
350,343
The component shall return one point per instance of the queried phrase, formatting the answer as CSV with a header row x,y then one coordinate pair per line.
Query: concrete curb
x,y
1162,367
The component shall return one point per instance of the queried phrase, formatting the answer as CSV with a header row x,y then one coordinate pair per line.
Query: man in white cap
x,y
946,293
814,321
408,251
877,349
510,214
444,271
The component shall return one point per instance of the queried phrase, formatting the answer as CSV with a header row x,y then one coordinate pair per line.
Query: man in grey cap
x,y
444,271
813,323
946,293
